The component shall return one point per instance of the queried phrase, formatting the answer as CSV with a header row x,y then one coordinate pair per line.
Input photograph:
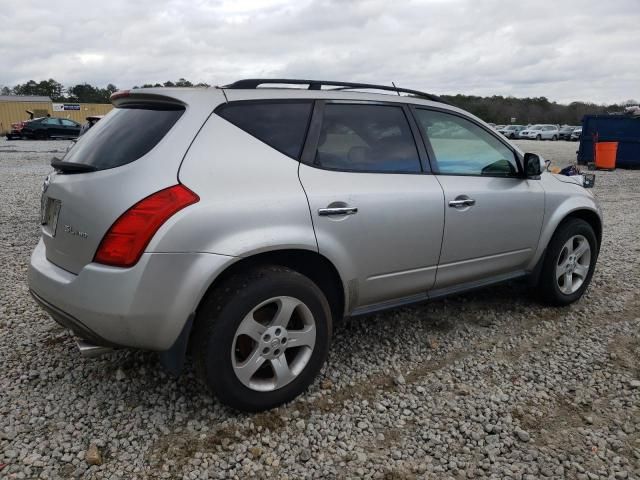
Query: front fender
x,y
561,201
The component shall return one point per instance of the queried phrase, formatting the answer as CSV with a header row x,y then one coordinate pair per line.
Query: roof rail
x,y
253,83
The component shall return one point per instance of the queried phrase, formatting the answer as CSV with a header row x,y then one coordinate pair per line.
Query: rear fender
x,y
251,199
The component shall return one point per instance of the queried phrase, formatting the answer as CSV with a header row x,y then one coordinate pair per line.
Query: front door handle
x,y
462,202
325,212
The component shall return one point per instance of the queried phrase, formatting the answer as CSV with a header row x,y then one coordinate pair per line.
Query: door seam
x,y
313,225
444,226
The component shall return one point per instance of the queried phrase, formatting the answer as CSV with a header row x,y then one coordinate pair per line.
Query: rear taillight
x,y
127,238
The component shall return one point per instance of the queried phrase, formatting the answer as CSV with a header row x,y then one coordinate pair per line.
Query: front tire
x,y
569,263
554,138
538,137
261,337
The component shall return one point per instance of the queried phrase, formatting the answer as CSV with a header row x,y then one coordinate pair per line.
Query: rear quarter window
x,y
124,135
281,125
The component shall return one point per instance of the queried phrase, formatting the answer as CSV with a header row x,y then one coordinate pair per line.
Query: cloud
x,y
568,50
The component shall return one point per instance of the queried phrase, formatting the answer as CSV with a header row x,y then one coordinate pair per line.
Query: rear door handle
x,y
462,202
325,212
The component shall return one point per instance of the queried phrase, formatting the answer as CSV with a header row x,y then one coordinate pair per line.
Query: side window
x,y
366,138
67,123
282,126
51,121
463,148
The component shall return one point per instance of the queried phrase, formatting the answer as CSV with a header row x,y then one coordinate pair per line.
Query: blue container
x,y
623,129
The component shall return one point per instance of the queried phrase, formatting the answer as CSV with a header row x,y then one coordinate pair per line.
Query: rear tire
x,y
255,319
569,263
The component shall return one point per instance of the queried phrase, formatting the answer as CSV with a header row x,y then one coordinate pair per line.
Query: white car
x,y
540,132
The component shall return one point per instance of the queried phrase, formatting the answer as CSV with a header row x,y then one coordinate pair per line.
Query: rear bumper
x,y
145,306
69,322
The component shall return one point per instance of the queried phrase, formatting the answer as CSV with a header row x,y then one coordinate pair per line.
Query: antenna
x,y
397,91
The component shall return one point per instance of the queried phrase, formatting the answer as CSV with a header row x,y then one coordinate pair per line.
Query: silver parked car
x,y
576,134
540,132
511,131
240,223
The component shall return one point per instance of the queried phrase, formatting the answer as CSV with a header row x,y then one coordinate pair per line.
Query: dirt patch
x,y
180,447
525,348
398,475
269,420
563,415
625,353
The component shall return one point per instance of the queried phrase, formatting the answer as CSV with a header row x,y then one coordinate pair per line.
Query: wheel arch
x,y
588,215
311,264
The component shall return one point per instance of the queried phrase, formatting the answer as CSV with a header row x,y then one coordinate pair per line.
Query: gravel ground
x,y
483,385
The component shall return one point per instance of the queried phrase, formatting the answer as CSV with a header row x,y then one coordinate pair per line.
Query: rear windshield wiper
x,y
71,167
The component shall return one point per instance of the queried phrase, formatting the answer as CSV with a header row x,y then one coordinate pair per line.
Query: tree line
x,y
496,109
82,92
502,110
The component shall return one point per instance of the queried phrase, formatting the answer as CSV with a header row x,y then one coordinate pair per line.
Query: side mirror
x,y
532,166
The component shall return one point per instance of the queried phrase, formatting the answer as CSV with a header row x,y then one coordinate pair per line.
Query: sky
x,y
564,50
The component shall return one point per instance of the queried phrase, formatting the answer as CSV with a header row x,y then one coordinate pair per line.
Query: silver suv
x,y
239,223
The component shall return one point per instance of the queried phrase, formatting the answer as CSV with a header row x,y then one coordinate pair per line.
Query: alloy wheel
x,y
273,343
573,264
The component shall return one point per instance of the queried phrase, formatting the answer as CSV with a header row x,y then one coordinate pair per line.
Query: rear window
x,y
123,136
281,125
366,138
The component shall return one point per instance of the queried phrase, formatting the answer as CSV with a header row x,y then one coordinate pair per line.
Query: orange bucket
x,y
606,155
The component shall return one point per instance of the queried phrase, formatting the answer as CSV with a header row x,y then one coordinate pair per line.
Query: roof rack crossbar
x,y
253,83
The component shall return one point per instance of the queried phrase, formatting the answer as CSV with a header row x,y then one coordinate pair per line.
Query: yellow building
x,y
15,108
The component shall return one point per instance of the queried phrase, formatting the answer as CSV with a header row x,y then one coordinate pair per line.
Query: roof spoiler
x,y
137,98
